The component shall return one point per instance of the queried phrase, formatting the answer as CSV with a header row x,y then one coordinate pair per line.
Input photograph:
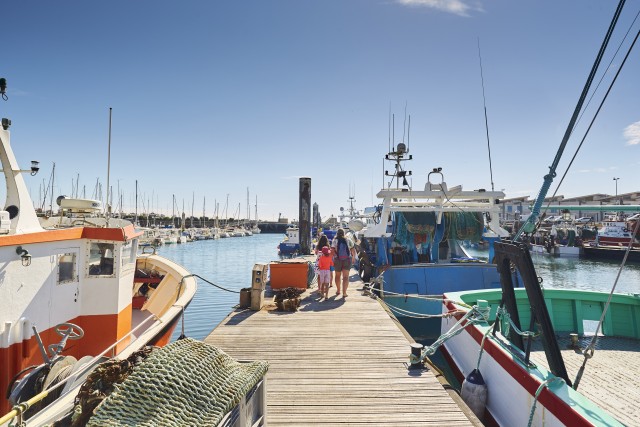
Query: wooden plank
x,y
337,362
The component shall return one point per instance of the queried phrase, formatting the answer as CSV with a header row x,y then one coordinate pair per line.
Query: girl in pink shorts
x,y
325,262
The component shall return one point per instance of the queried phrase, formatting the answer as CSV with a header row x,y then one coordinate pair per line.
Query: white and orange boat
x,y
73,292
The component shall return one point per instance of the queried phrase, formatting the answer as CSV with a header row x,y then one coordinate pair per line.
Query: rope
x,y
504,314
542,386
211,283
369,287
414,315
472,317
548,179
596,114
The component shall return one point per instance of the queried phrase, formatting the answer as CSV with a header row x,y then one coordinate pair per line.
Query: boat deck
x,y
338,362
611,376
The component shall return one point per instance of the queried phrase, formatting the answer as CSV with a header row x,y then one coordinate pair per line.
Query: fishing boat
x,y
615,231
74,293
411,247
547,357
290,245
531,349
613,238
562,240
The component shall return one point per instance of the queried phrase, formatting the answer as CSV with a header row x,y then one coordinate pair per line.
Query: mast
x,y
108,207
193,201
53,180
136,220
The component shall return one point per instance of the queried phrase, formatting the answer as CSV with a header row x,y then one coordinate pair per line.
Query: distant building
x,y
518,207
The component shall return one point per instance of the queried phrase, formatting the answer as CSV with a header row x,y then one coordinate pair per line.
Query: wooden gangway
x,y
339,362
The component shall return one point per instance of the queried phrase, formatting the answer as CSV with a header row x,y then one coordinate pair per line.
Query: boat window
x,y
67,268
101,259
129,250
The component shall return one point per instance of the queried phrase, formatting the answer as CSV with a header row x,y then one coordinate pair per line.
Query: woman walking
x,y
344,254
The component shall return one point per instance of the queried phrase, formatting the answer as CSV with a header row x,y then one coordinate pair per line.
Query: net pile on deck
x,y
185,383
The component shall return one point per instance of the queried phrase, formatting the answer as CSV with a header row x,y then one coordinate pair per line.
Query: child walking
x,y
324,276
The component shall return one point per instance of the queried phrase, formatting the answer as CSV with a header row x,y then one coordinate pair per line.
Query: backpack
x,y
343,249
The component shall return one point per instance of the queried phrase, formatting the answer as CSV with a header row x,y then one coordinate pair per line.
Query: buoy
x,y
474,393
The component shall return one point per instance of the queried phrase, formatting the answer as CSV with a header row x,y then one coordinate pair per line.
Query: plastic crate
x,y
289,273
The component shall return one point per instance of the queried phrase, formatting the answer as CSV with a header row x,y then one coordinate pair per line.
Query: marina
x,y
442,296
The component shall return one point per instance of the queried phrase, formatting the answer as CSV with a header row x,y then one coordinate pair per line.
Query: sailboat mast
x,y
193,201
108,207
53,180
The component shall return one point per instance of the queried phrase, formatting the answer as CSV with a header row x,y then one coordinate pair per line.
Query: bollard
x,y
416,353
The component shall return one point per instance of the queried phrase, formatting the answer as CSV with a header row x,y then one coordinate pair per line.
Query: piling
x,y
304,215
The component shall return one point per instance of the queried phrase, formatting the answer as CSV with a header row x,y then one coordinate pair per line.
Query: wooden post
x,y
304,216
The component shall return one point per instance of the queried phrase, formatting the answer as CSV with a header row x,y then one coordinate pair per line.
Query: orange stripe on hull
x,y
114,234
100,331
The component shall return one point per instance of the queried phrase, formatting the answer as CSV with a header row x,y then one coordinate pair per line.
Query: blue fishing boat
x,y
412,245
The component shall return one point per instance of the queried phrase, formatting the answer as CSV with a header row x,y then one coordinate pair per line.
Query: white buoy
x,y
474,393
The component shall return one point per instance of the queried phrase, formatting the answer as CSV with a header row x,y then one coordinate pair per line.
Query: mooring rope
x,y
211,283
542,386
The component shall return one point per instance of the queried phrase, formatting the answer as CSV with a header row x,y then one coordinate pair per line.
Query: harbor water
x,y
228,263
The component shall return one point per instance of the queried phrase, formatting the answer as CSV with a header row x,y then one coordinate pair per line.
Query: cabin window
x,y
101,257
129,250
67,268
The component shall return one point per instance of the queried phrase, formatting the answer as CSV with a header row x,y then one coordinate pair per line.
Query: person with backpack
x,y
344,254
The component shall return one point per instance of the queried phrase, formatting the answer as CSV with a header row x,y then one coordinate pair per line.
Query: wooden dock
x,y
342,362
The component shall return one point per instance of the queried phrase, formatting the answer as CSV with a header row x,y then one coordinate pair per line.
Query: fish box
x,y
289,273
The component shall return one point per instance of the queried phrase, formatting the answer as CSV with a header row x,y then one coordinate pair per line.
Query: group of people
x,y
337,256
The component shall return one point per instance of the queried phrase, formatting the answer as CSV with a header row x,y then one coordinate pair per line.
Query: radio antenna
x,y
486,122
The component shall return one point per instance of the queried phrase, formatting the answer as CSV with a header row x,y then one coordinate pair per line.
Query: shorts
x,y
342,264
324,276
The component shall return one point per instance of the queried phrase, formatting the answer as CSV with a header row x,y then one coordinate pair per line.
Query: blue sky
x,y
213,97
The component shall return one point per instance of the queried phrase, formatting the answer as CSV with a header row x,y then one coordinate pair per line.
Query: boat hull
x,y
611,253
151,330
512,382
557,251
288,248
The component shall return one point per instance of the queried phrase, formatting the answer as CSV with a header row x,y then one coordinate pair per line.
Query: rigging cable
x,y
601,104
529,224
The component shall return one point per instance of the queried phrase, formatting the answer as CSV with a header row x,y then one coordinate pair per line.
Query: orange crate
x,y
286,274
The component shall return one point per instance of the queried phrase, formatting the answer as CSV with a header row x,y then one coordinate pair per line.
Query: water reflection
x,y
584,274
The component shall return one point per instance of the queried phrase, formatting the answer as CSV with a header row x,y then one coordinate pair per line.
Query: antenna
x,y
404,125
408,132
389,129
393,132
486,122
